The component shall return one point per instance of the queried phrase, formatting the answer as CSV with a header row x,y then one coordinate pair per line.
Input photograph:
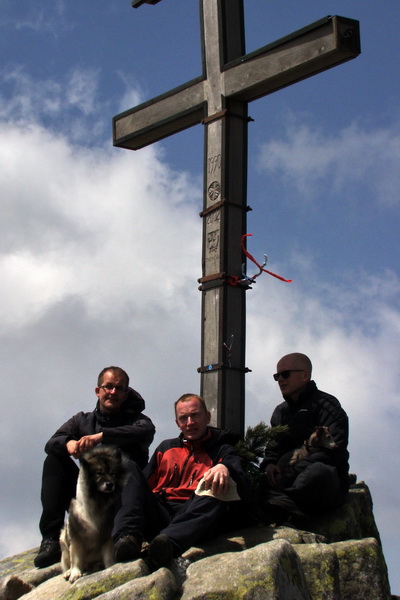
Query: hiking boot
x,y
49,553
160,552
127,548
281,509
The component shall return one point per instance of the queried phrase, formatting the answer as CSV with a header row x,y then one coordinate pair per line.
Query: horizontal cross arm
x,y
160,117
137,3
315,48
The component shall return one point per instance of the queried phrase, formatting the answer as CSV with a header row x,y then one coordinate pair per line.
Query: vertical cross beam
x,y
218,99
224,221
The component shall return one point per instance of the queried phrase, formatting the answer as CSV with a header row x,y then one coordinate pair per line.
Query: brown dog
x,y
320,438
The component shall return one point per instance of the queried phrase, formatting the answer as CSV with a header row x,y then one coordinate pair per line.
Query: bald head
x,y
293,374
297,361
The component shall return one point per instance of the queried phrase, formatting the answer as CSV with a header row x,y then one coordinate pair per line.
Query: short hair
x,y
117,371
187,397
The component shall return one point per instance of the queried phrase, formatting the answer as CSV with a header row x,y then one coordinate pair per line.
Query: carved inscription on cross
x,y
218,99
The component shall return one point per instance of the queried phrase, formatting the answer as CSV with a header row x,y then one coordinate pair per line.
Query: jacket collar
x,y
303,396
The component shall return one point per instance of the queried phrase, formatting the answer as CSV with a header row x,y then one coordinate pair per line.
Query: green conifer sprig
x,y
251,449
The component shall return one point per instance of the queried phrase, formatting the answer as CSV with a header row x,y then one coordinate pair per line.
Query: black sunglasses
x,y
286,374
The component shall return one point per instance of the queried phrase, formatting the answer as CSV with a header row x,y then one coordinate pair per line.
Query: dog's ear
x,y
117,452
321,431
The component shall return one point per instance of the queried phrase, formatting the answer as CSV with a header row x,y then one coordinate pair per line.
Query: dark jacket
x,y
312,408
129,429
177,465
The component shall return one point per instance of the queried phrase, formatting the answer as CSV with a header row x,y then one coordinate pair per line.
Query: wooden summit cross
x,y
218,99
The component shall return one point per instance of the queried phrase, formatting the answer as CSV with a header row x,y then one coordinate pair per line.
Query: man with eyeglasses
x,y
117,420
320,481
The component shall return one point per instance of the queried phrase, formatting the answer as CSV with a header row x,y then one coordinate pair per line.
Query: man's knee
x,y
134,474
321,474
54,464
318,486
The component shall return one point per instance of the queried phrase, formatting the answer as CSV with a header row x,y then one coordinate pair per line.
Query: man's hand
x,y
217,479
76,448
89,441
274,475
73,448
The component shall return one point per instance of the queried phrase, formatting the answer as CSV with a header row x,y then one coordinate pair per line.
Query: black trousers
x,y
138,510
59,478
146,514
317,488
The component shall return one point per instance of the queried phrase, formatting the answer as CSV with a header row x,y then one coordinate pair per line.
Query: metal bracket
x,y
219,366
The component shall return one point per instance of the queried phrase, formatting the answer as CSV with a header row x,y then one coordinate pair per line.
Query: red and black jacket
x,y
177,465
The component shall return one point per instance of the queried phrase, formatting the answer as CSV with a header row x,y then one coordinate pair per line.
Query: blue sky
x,y
101,247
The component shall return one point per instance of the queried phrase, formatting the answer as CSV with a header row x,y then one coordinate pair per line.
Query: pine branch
x,y
252,449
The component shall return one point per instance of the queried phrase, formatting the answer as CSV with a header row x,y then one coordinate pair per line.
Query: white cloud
x,y
104,226
133,94
29,287
69,105
23,98
82,88
354,159
15,538
50,19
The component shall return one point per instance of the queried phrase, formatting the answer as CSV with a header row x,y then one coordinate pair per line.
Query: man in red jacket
x,y
184,493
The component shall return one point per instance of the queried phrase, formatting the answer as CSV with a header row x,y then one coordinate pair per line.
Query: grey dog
x,y
85,539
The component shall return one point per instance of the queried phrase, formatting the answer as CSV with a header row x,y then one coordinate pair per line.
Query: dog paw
x,y
75,574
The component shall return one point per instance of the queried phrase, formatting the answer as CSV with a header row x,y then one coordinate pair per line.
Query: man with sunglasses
x,y
320,481
117,420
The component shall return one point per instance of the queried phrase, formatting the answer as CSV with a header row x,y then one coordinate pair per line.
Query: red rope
x,y
250,257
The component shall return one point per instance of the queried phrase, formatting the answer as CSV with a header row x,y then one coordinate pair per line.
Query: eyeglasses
x,y
109,388
286,374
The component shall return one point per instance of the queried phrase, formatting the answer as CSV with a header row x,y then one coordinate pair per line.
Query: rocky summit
x,y
337,556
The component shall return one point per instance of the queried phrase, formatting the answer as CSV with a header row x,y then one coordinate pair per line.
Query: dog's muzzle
x,y
108,487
